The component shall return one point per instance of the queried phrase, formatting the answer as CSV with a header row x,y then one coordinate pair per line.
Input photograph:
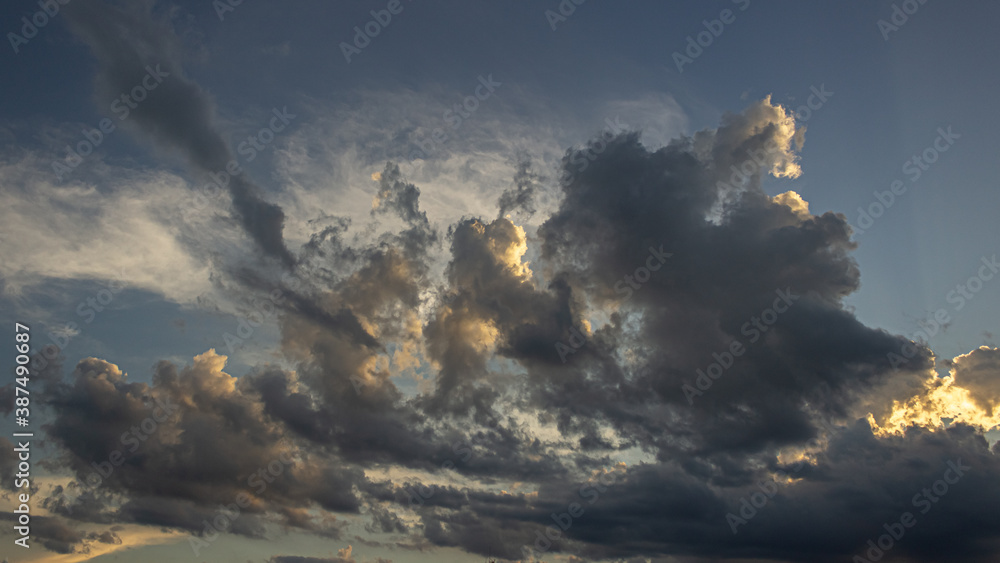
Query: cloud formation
x,y
128,41
635,436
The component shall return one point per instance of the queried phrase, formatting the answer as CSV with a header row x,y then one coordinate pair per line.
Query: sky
x,y
567,281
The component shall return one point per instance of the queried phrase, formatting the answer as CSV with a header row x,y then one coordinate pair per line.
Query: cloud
x,y
968,395
53,533
110,226
521,197
178,114
179,449
343,556
979,372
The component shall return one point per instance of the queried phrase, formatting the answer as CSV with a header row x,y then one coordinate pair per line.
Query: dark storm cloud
x,y
723,273
859,484
179,449
127,42
385,521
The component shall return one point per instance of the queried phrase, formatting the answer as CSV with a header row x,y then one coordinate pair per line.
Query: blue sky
x,y
192,278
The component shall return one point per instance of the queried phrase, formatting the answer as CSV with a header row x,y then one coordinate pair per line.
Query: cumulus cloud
x,y
196,439
968,395
979,372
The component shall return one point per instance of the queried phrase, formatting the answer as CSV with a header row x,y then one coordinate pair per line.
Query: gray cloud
x,y
178,115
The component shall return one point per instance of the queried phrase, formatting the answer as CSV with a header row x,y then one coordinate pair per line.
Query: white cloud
x,y
97,230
